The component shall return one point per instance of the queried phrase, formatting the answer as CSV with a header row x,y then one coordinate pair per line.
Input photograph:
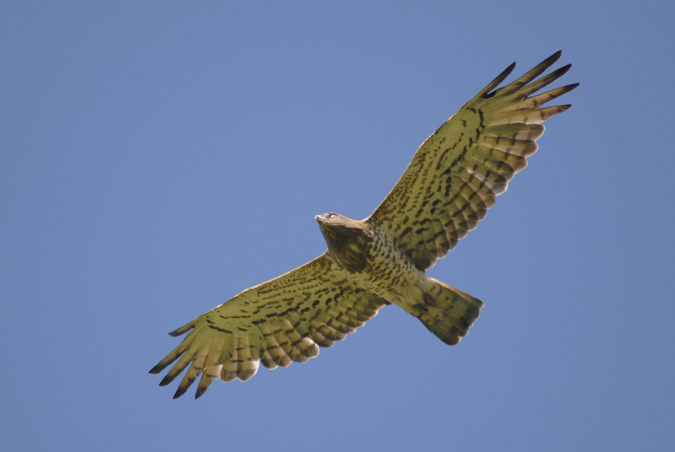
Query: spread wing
x,y
457,172
276,323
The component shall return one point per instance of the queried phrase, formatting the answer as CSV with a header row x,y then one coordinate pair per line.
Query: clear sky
x,y
160,157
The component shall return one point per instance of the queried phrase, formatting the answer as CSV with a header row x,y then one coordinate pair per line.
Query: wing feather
x,y
458,171
276,323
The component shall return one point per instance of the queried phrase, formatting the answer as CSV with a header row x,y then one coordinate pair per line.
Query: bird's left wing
x,y
457,172
276,323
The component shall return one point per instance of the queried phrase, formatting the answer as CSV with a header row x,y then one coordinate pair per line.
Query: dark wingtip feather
x,y
200,392
550,60
163,364
506,72
182,330
487,91
179,392
556,55
157,369
561,71
167,379
182,389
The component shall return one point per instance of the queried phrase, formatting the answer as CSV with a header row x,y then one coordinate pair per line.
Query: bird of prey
x,y
446,190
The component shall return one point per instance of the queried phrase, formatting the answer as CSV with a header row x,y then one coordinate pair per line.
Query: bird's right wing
x,y
276,323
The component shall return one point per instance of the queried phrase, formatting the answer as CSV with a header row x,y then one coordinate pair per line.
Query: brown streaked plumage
x,y
452,180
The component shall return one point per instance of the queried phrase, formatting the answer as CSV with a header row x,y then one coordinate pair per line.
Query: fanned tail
x,y
448,312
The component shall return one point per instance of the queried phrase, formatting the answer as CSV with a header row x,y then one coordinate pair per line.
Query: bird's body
x,y
378,265
371,260
452,180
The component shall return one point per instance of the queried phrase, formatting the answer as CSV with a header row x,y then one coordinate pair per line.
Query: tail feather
x,y
448,313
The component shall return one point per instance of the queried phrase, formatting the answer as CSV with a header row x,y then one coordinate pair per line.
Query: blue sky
x,y
160,157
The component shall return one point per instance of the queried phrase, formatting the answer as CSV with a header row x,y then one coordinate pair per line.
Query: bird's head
x,y
332,221
347,239
330,218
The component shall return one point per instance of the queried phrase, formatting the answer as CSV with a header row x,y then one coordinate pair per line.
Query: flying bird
x,y
446,190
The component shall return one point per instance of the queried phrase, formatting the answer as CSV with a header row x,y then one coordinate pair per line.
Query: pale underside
x,y
451,182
